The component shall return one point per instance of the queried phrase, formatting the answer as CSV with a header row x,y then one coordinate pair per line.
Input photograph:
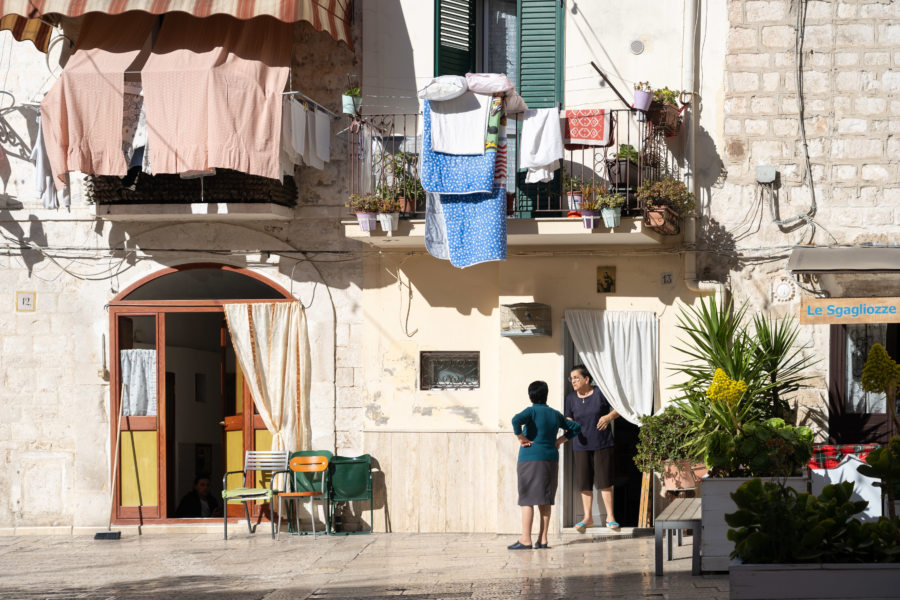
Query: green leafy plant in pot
x,y
365,207
572,186
611,209
388,214
351,101
663,112
623,169
662,448
664,203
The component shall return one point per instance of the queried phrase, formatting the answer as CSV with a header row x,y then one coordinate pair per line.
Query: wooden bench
x,y
682,513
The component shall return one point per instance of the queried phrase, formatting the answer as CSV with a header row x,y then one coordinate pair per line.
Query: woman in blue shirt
x,y
593,448
538,466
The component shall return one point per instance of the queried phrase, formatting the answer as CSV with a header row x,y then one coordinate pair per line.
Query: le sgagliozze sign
x,y
850,310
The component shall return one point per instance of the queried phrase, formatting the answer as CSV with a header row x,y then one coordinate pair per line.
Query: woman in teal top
x,y
538,467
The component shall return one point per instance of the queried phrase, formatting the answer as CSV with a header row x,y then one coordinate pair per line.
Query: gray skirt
x,y
537,481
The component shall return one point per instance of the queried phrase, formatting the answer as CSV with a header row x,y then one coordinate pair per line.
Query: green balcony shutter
x,y
540,52
454,37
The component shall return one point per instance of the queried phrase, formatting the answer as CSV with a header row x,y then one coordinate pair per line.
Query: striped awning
x,y
331,16
24,29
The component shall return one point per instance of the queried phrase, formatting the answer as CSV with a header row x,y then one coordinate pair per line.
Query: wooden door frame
x,y
120,306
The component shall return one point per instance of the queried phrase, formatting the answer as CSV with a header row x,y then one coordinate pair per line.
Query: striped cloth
x,y
331,16
828,456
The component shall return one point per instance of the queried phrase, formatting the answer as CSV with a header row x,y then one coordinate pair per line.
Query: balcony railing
x,y
384,155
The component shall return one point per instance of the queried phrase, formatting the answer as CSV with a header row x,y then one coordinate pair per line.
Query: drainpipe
x,y
690,59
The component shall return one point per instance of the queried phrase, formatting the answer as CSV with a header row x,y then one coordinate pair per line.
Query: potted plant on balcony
x,y
643,95
590,209
797,545
351,101
664,113
400,180
623,169
388,214
365,207
611,209
664,202
662,448
572,186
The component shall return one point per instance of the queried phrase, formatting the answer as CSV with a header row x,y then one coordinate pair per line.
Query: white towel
x,y
541,146
288,156
459,126
310,156
298,127
323,136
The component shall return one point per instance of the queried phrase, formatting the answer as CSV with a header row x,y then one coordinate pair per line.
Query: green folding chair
x,y
350,480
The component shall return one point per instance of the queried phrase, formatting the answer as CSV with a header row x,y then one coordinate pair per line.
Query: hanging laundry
x,y
298,127
44,184
311,156
323,136
459,125
435,227
588,128
452,173
288,156
541,146
476,227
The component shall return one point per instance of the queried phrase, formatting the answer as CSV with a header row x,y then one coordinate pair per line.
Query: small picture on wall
x,y
606,280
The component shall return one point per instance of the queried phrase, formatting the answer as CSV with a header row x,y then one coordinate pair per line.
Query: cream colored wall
x,y
417,435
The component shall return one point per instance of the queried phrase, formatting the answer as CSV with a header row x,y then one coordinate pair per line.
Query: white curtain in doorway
x,y
138,382
620,350
272,347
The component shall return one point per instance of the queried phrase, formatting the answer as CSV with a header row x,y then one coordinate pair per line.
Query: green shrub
x,y
662,440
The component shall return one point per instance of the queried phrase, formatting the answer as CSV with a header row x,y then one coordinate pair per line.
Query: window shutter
x,y
540,52
454,37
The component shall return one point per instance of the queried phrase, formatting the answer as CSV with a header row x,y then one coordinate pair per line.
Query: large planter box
x,y
860,581
715,547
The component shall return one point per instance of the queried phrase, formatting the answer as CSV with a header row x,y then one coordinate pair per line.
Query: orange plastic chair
x,y
304,464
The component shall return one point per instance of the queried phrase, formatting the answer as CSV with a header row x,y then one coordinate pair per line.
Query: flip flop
x,y
580,527
613,525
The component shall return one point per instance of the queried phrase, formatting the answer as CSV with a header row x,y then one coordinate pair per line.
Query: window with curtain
x,y
860,339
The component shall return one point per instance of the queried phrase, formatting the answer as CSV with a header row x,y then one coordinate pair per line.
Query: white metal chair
x,y
264,461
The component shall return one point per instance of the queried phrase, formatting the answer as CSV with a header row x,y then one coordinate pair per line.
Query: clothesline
x,y
313,102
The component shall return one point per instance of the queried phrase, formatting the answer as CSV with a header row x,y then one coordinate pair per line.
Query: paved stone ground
x,y
420,566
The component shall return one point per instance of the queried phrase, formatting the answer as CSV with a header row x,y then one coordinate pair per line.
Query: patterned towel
x,y
828,456
588,128
476,227
455,173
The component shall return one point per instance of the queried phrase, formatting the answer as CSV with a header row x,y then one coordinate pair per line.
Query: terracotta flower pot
x,y
662,219
682,475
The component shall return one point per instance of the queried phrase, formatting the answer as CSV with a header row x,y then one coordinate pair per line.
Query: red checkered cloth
x,y
828,456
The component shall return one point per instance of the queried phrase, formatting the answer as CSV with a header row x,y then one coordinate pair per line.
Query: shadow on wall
x,y
389,78
34,236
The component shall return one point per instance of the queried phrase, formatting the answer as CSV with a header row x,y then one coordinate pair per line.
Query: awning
x,y
844,260
31,30
331,16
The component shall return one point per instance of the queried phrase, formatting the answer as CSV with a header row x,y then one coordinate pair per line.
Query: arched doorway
x,y
180,409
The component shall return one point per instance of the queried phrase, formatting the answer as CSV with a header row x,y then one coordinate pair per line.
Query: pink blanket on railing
x,y
590,127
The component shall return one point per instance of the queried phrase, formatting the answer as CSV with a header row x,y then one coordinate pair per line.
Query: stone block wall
x,y
850,53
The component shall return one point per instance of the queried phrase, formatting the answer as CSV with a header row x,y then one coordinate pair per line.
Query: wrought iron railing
x,y
384,155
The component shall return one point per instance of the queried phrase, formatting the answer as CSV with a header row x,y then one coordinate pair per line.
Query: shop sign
x,y
849,310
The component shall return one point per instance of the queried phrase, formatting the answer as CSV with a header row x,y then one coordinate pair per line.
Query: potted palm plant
x,y
664,202
365,207
611,209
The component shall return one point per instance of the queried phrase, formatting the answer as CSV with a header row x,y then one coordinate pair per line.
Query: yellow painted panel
x,y
238,390
144,453
263,441
234,456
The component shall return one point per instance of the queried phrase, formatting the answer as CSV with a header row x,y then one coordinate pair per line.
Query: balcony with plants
x,y
600,195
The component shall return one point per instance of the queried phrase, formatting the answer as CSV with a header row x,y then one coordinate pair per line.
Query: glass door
x,y
139,410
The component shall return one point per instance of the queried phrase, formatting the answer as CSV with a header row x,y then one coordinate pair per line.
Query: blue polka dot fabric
x,y
476,227
455,173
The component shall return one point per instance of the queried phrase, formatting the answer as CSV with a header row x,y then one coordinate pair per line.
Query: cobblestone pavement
x,y
420,566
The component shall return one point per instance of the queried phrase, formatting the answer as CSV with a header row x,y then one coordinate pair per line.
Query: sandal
x,y
580,527
613,525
